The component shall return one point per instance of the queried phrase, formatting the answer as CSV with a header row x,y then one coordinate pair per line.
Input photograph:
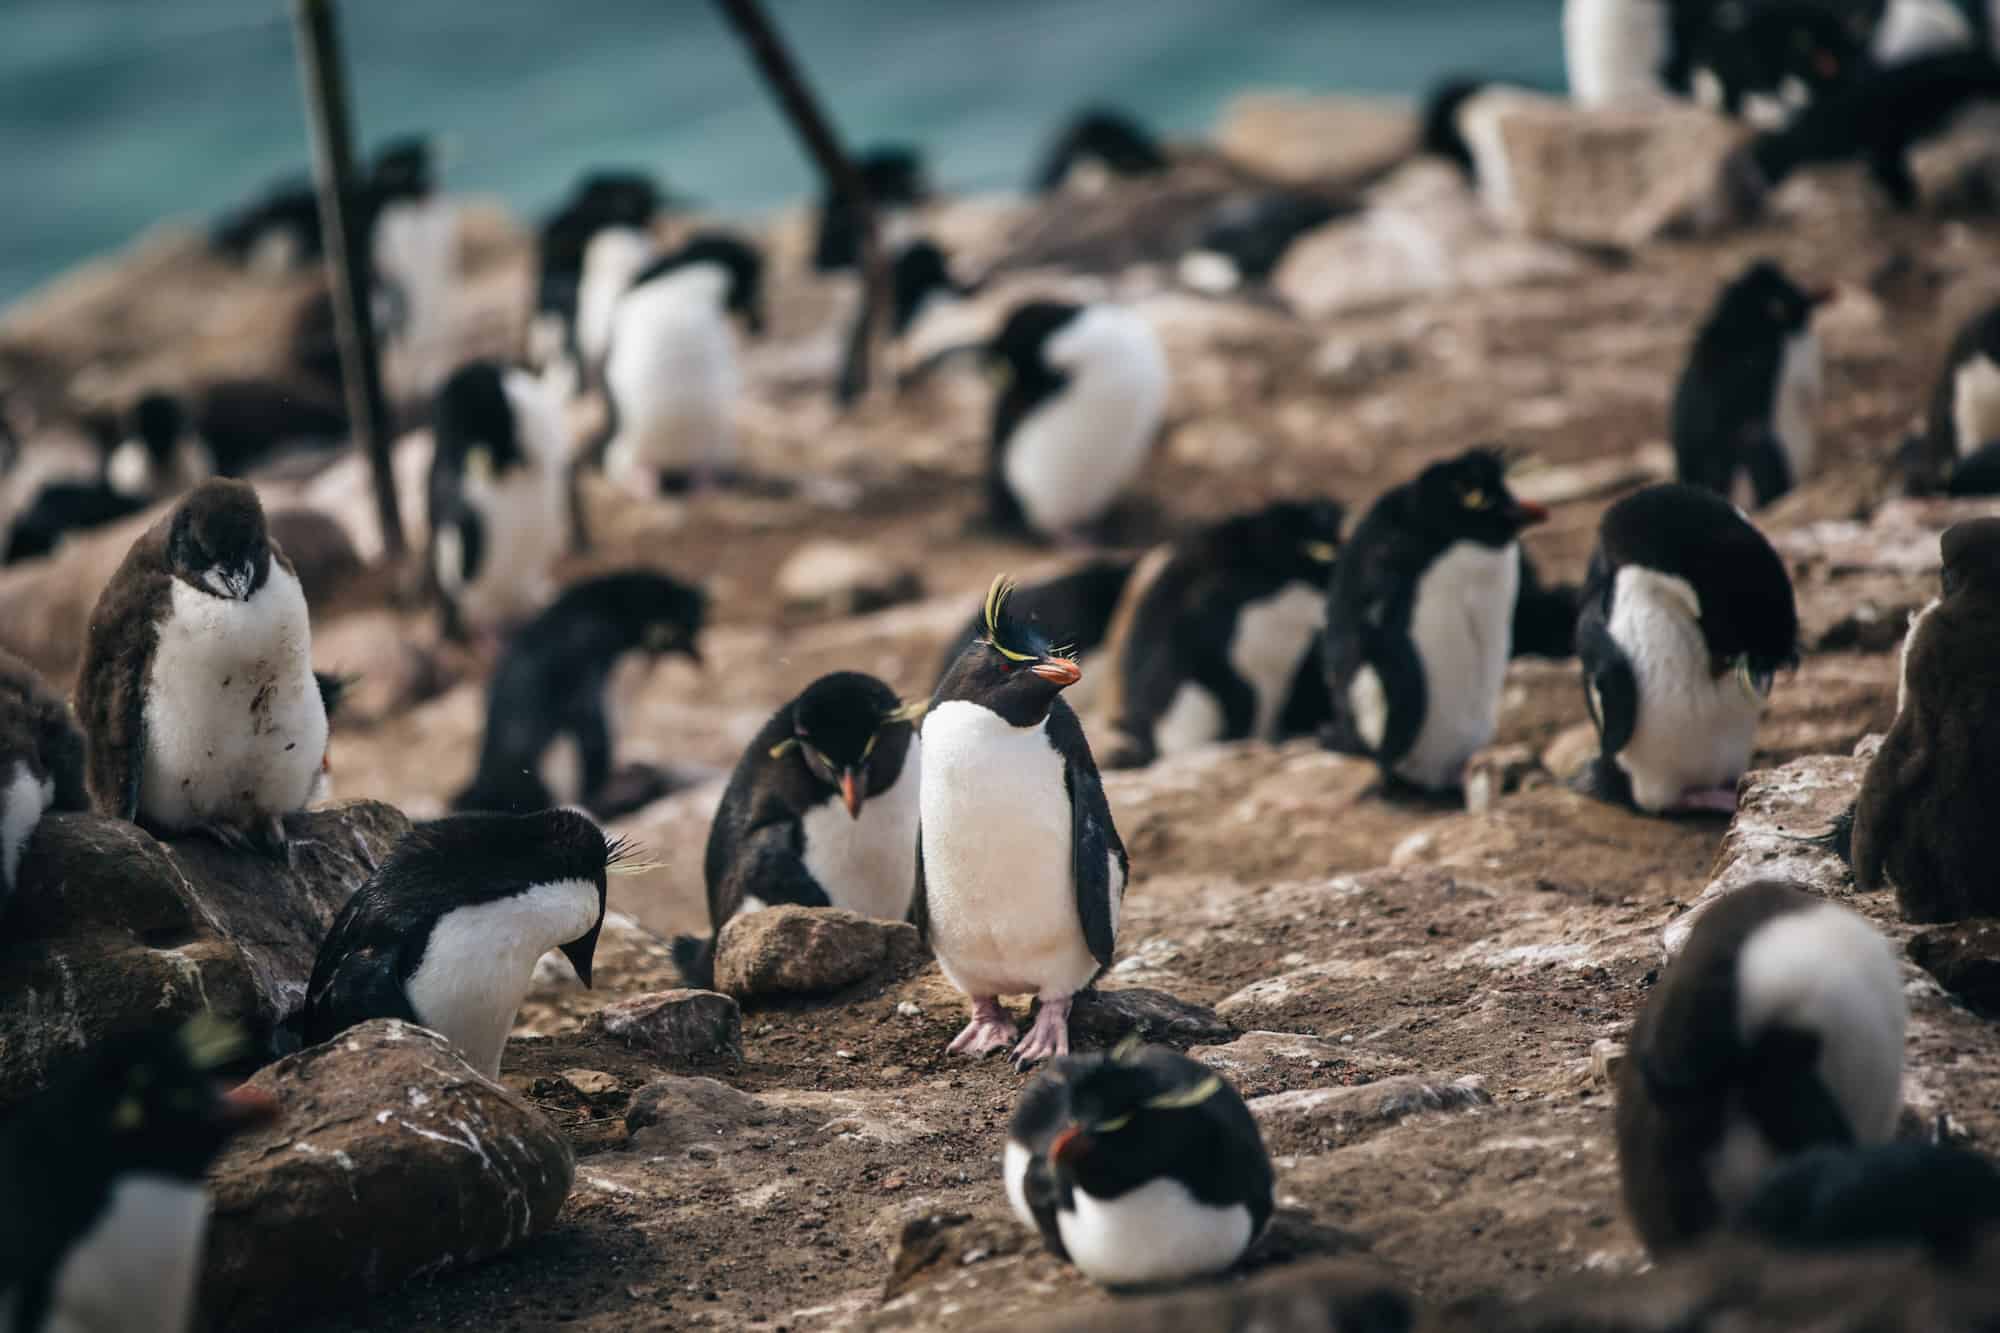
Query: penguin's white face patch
x,y
22,801
671,370
1155,1233
143,1254
869,864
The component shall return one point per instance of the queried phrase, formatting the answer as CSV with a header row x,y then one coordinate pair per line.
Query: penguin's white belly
x,y
1975,404
614,257
1273,636
869,865
135,1270
1152,1234
416,246
1796,403
479,960
1613,49
1693,730
1069,458
672,376
1914,28
22,801
1192,720
1462,626
234,724
525,519
1000,888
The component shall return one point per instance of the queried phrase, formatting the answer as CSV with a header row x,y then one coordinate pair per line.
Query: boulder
x,y
1382,1103
675,1024
937,1245
1308,137
111,929
1965,959
386,1124
792,950
674,1112
835,578
1105,1017
1345,1295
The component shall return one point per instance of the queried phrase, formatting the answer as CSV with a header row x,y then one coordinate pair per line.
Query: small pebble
x,y
909,1009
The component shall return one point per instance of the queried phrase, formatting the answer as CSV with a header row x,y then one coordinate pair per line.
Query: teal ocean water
x,y
116,114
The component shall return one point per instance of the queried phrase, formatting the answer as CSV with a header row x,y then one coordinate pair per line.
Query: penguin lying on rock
x,y
552,678
1138,1166
103,1210
821,811
1687,617
1419,620
1020,872
41,762
447,932
1778,1028
196,693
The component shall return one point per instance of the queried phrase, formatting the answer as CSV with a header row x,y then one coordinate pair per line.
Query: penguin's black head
x,y
217,542
158,420
1011,669
1020,349
659,613
403,170
473,420
1466,499
1971,552
851,732
893,174
1129,1108
616,199
1764,302
153,1098
920,270
1765,44
1291,540
1107,138
1440,135
741,266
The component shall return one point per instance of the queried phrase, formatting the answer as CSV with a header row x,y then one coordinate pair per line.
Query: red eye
x,y
1005,666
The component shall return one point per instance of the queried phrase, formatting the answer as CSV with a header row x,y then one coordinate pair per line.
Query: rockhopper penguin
x,y
41,762
196,694
447,932
1020,873
1419,620
821,811
1138,1165
1078,606
1964,415
1924,817
1778,1028
1687,617
103,1211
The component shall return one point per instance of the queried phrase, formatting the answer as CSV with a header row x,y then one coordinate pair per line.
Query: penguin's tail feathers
x,y
695,957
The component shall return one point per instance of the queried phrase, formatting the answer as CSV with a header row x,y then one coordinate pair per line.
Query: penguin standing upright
x,y
196,692
1924,817
1084,388
103,1210
920,280
447,932
499,495
1687,615
1745,405
41,762
670,375
1617,51
1218,637
1419,620
1138,1165
614,256
1020,872
1964,415
1778,1028
821,811
604,203
552,679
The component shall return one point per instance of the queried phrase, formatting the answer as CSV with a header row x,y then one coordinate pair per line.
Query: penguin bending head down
x,y
1138,1166
1778,1028
196,694
1020,873
103,1208
1924,817
1419,620
41,762
1745,405
1083,391
447,932
1687,616
821,811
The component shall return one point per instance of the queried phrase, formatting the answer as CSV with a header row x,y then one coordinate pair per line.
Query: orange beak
x,y
850,793
1058,671
245,1106
1529,513
1066,1144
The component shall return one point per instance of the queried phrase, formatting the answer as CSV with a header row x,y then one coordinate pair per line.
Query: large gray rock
x,y
392,1157
1330,1296
111,929
807,951
675,1024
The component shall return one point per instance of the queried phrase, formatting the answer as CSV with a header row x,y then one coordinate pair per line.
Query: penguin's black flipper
x,y
1610,690
359,984
1401,672
920,915
1094,839
1770,476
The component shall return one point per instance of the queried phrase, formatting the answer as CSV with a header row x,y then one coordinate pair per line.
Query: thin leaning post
x,y
809,121
325,82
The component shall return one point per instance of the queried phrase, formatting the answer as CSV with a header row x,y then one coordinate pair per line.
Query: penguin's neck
x,y
480,958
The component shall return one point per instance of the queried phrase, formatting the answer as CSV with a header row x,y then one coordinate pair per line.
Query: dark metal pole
x,y
767,48
347,259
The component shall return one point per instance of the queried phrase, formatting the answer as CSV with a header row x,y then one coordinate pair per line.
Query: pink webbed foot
x,y
1049,1037
1709,800
990,1029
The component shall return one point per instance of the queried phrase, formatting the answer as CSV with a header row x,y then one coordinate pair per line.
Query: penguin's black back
x,y
1073,608
1940,1198
1722,415
64,507
1107,135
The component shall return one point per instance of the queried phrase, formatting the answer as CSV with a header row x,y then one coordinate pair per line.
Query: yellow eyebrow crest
x,y
996,599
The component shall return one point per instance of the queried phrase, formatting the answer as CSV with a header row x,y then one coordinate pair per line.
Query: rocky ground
x,y
1422,1000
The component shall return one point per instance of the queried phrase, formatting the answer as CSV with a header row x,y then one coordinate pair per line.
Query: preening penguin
x,y
1138,1166
1924,818
41,762
1964,413
103,1209
1778,1028
821,811
447,932
499,496
1882,1196
1083,391
196,693
1020,873
1218,638
552,678
1687,616
1745,405
670,375
1419,620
